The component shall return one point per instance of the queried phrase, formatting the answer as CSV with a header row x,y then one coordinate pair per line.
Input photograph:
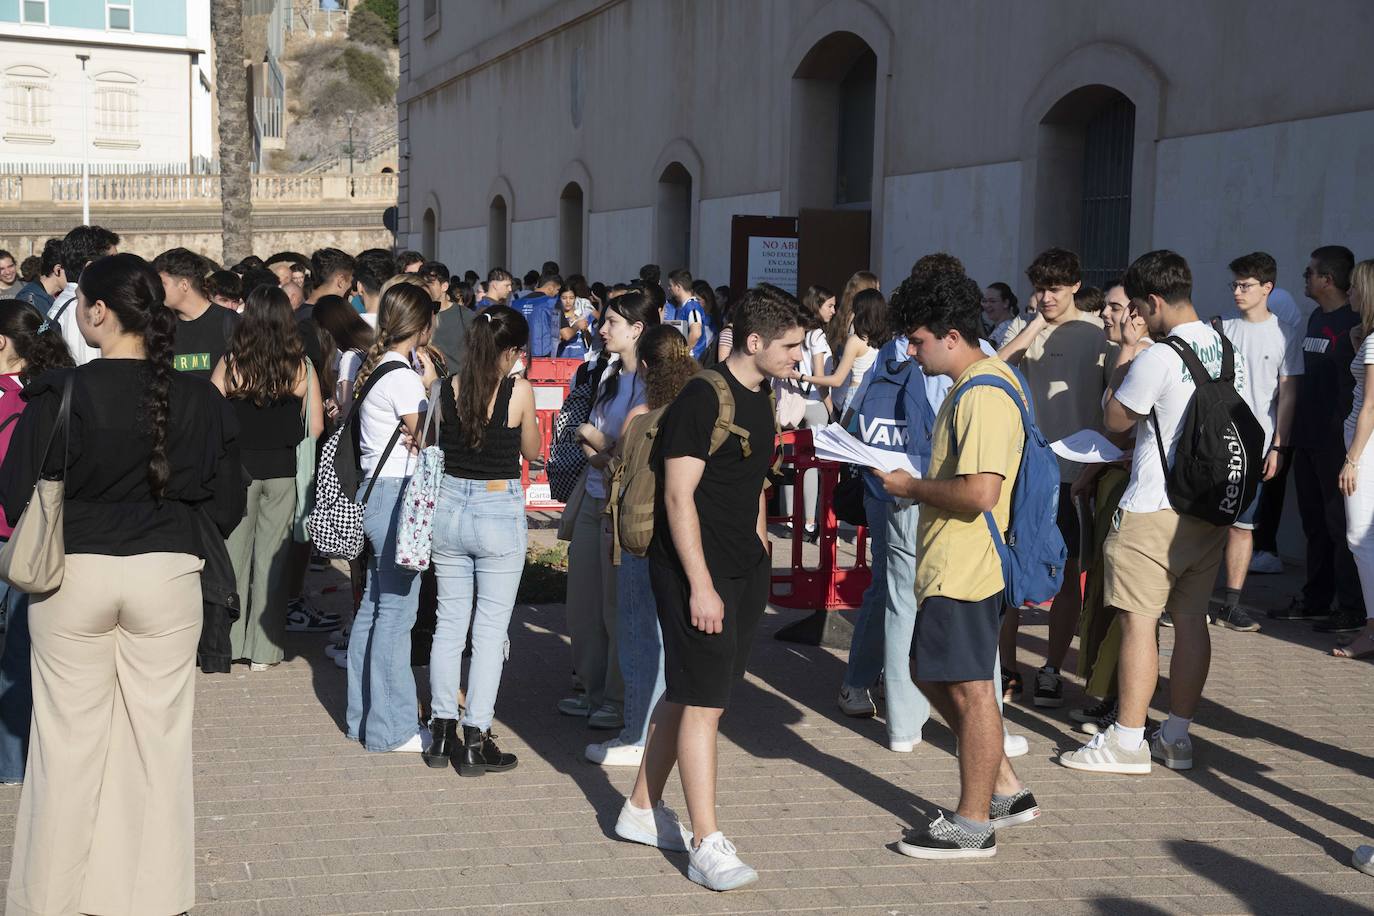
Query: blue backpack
x,y
543,316
894,413
1032,552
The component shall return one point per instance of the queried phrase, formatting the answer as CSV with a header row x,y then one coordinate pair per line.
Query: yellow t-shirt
x,y
984,436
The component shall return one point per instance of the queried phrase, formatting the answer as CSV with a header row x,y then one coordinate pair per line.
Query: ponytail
x,y
495,330
158,336
36,341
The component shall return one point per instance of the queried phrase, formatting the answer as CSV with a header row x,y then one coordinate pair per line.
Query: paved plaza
x,y
293,819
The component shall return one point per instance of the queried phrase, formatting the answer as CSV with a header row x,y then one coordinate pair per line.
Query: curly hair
x,y
948,302
1054,267
20,322
665,362
265,354
131,289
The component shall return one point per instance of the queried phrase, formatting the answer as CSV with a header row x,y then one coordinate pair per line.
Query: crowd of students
x,y
192,402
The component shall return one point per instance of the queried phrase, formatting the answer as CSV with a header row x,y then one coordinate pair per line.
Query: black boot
x,y
444,746
480,754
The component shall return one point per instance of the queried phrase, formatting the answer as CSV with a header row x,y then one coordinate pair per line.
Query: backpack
x,y
632,491
1032,550
541,312
335,524
1219,459
893,413
566,458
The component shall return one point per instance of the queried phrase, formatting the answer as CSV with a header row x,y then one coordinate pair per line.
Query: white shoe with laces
x,y
856,702
1104,754
1015,745
715,864
415,745
615,753
657,826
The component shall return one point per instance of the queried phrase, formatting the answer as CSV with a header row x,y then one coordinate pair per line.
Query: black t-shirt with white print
x,y
727,498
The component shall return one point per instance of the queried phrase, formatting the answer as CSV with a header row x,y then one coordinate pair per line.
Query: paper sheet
x,y
1087,446
833,443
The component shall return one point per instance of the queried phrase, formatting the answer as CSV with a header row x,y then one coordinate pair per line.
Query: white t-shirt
x,y
81,351
1159,381
398,393
1272,348
814,344
370,318
1359,368
345,372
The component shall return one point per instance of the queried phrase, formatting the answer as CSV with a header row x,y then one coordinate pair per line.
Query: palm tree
x,y
235,137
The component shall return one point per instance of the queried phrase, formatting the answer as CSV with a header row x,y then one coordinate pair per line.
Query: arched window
x,y
496,233
116,106
674,217
570,210
28,102
834,103
429,234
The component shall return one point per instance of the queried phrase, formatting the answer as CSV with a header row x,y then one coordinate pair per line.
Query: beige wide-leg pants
x,y
106,823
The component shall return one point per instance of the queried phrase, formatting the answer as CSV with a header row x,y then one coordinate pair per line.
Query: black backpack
x,y
1218,464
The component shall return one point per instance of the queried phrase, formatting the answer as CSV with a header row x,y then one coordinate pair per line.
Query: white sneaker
x,y
855,701
714,864
415,745
1364,860
1104,754
615,753
1264,563
339,637
342,660
903,745
1015,745
261,666
657,826
1176,755
335,651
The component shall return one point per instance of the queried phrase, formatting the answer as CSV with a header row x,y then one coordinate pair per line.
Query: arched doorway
x,y
429,234
1083,180
673,217
570,214
497,226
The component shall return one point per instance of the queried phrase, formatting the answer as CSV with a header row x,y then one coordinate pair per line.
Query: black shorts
x,y
1069,525
699,668
956,640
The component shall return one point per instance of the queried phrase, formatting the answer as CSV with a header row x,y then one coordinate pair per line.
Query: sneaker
x,y
1264,563
1015,745
1177,755
903,745
946,840
856,702
1049,689
342,660
340,636
1298,610
1018,809
575,706
615,753
606,719
1094,712
1235,618
335,651
716,865
415,745
1101,723
1166,620
1012,685
1364,859
658,826
303,617
1341,622
1104,754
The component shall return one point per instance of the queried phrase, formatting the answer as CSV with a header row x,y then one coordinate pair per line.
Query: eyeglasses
x,y
1244,286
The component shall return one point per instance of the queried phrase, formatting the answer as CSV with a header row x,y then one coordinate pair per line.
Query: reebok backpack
x,y
633,488
1032,549
1219,459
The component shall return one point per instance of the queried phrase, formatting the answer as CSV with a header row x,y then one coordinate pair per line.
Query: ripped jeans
x,y
480,535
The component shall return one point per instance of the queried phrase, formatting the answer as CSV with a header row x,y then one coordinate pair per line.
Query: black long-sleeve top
x,y
109,508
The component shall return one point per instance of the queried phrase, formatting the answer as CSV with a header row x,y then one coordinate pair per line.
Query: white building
x,y
610,133
149,82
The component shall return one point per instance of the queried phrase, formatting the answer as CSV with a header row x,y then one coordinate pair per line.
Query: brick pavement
x,y
292,819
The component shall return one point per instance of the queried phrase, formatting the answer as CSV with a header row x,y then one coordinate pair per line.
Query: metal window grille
x,y
29,103
1108,148
116,110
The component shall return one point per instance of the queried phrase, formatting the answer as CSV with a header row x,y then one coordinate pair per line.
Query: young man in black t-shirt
x,y
203,329
709,568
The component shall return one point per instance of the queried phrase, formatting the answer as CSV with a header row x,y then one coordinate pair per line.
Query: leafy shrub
x,y
369,73
367,28
384,10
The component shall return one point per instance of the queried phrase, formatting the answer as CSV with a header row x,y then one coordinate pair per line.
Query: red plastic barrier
x,y
828,587
551,379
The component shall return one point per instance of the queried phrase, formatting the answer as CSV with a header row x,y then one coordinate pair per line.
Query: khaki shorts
x,y
1158,561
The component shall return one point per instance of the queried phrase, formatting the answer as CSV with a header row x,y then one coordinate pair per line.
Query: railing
x,y
170,189
378,144
199,165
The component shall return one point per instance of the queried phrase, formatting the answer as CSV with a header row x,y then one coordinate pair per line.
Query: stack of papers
x,y
833,443
1087,446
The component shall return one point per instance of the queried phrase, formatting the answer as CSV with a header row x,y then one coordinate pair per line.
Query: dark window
x,y
1108,148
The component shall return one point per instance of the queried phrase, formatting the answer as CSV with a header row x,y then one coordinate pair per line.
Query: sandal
x,y
1011,685
1361,646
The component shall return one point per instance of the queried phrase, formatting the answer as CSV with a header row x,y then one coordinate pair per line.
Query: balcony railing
x,y
21,190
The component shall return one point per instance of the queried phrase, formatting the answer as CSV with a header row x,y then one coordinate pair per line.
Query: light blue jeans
x,y
640,647
382,711
866,645
480,535
16,686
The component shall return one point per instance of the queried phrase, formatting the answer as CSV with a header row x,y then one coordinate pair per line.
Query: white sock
x,y
1174,728
1130,738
